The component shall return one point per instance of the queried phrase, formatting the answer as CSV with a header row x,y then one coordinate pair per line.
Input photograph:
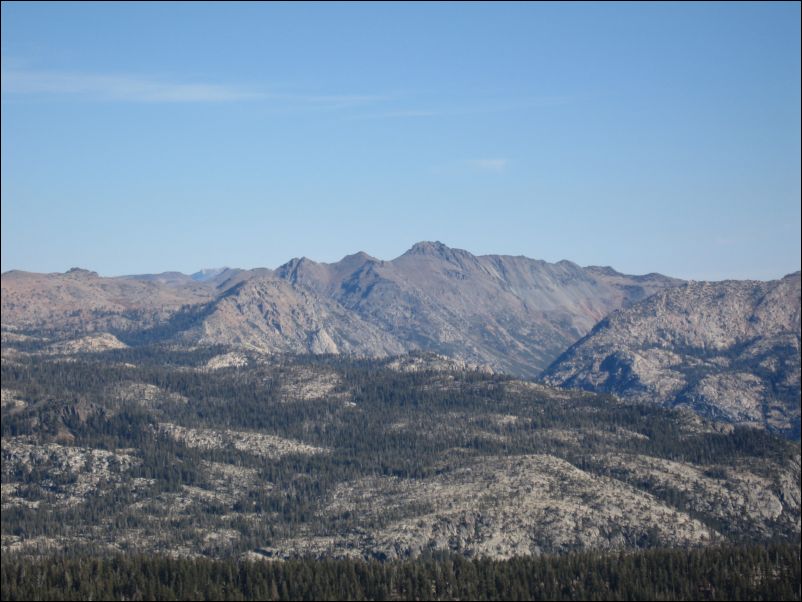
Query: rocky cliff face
x,y
273,315
728,349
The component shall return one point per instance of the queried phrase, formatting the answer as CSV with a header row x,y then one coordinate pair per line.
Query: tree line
x,y
770,572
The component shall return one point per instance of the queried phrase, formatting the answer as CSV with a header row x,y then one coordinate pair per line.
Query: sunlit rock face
x,y
728,349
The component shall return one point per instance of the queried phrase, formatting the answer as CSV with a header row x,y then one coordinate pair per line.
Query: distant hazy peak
x,y
207,274
80,272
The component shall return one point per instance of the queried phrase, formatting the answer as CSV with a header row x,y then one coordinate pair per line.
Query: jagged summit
x,y
292,264
296,268
435,249
427,247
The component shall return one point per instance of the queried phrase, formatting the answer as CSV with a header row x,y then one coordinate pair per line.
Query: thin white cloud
x,y
19,79
119,87
496,165
131,88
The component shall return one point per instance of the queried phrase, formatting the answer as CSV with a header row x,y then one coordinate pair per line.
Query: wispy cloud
x,y
496,165
19,79
120,87
133,88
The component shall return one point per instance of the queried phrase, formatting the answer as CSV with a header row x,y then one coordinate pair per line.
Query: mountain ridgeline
x,y
513,314
730,350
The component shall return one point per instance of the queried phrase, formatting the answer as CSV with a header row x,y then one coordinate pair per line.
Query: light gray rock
x,y
728,349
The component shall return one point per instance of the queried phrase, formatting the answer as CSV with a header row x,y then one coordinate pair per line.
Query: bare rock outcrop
x,y
727,349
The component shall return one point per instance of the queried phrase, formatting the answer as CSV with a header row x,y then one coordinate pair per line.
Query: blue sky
x,y
649,137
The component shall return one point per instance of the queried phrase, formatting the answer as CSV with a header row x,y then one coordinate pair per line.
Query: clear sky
x,y
649,137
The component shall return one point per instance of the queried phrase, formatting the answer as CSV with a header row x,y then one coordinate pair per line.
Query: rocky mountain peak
x,y
427,247
439,251
295,269
358,258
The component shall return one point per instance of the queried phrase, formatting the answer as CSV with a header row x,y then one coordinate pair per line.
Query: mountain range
x,y
729,349
513,314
